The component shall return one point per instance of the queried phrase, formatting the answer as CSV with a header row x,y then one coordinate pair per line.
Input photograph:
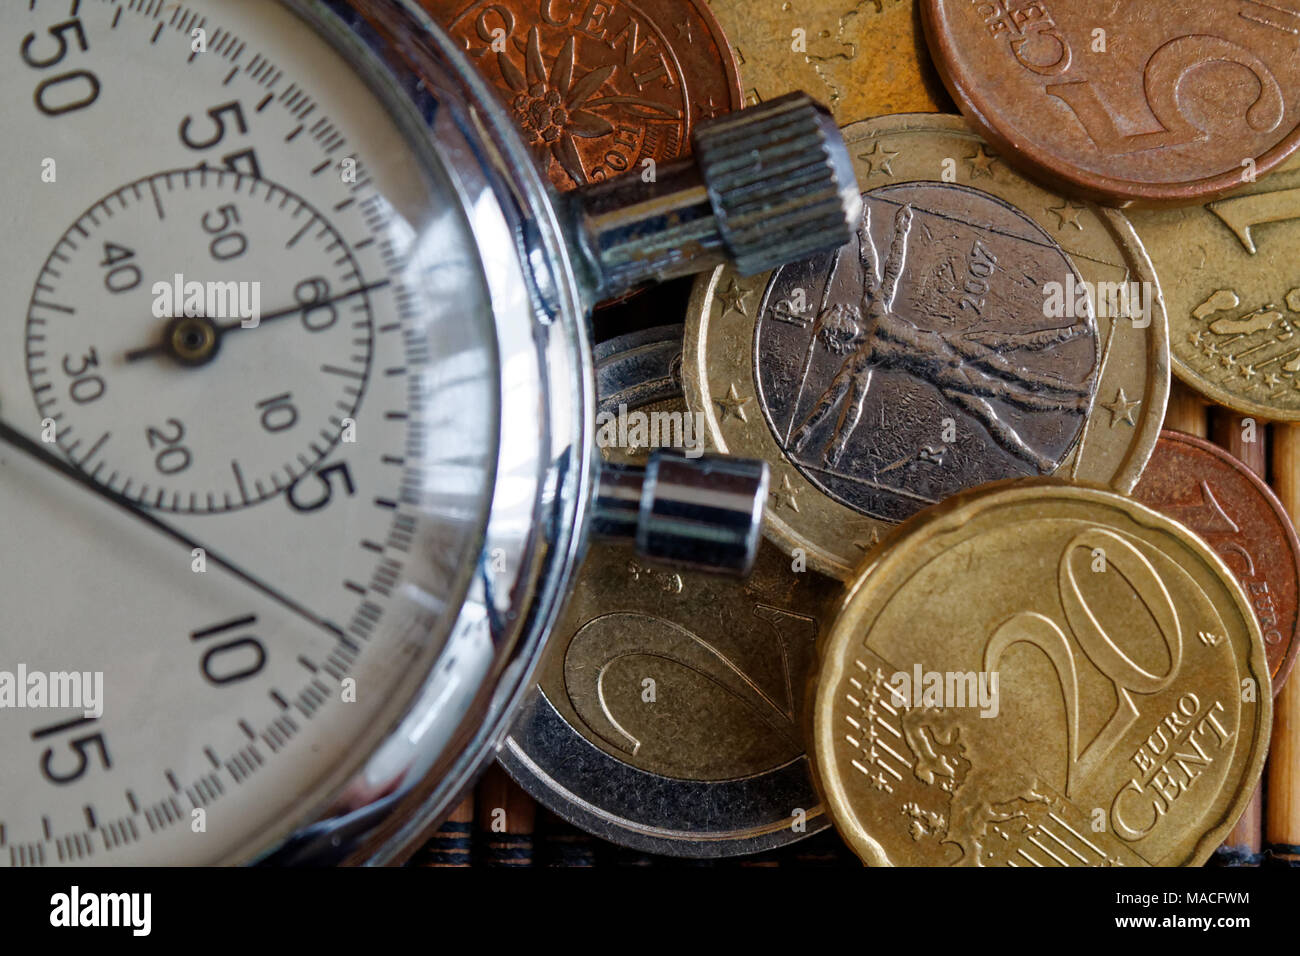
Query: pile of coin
x,y
1001,617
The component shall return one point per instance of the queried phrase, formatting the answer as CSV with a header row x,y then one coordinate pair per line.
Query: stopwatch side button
x,y
704,513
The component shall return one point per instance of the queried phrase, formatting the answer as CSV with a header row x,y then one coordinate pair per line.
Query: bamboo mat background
x,y
535,837
1267,835
1260,836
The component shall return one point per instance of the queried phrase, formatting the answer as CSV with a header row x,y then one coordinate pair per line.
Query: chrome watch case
x,y
542,273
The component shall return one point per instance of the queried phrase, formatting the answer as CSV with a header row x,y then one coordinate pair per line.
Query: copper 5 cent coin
x,y
1161,101
1041,675
598,88
1218,497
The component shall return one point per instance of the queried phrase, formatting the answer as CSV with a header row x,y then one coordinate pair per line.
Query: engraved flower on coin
x,y
553,107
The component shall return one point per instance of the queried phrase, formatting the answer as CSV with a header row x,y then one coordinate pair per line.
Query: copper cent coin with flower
x,y
1161,101
1222,500
599,88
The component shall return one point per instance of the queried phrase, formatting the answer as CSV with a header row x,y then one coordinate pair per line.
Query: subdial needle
x,y
195,340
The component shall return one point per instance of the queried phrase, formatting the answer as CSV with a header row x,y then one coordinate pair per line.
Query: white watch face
x,y
249,402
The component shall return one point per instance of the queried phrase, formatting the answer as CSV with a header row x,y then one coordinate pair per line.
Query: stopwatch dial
x,y
249,408
263,306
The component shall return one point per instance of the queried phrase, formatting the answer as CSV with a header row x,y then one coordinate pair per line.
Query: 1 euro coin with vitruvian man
x,y
1042,675
977,328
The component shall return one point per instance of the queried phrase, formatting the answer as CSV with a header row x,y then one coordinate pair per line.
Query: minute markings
x,y
180,441
268,76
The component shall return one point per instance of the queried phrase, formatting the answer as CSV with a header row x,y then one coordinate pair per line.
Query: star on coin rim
x,y
847,632
1212,391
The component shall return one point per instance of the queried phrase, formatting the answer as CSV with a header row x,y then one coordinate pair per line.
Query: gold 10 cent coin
x,y
978,328
1229,273
1039,674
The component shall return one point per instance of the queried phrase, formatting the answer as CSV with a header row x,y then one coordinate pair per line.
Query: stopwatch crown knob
x,y
780,181
767,185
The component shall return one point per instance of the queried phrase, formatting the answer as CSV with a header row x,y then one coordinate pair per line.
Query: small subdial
x,y
199,339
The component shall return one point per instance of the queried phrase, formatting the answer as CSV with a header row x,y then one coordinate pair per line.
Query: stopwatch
x,y
296,415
